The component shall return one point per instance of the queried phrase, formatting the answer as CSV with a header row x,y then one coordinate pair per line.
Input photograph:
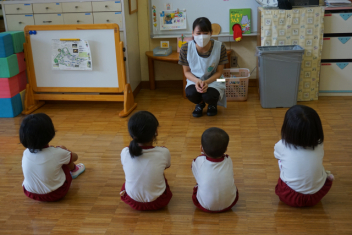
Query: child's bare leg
x,y
71,166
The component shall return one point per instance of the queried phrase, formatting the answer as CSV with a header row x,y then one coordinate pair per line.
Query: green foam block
x,y
8,66
18,39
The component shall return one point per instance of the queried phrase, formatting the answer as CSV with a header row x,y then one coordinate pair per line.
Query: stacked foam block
x,y
13,79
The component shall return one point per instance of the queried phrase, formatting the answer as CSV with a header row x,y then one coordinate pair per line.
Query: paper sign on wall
x,y
71,55
173,20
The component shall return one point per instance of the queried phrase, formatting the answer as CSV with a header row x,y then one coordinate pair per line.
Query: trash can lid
x,y
279,49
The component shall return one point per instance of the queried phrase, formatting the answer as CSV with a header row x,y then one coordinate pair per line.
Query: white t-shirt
x,y
144,174
216,185
301,169
43,170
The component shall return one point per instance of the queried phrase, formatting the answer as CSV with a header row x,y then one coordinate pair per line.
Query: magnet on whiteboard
x,y
184,10
30,32
34,32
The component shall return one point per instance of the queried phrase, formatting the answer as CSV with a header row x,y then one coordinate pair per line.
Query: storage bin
x,y
279,73
237,80
162,51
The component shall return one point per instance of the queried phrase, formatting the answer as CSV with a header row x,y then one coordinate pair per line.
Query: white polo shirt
x,y
43,170
301,169
216,185
144,174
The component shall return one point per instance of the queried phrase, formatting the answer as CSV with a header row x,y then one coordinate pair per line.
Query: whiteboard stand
x,y
106,82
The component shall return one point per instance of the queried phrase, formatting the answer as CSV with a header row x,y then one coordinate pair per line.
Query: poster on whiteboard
x,y
71,55
173,20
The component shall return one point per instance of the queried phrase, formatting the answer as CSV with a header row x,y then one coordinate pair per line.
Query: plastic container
x,y
236,84
162,51
279,70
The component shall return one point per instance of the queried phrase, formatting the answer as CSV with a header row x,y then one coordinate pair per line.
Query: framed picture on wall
x,y
133,5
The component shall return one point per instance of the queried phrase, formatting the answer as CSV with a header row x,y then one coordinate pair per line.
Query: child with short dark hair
x,y
213,170
48,171
146,187
303,180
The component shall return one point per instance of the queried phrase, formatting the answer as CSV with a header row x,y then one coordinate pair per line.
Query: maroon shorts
x,y
295,199
197,204
157,204
54,195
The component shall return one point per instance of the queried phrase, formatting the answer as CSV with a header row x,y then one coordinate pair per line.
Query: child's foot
x,y
198,111
212,110
78,170
330,176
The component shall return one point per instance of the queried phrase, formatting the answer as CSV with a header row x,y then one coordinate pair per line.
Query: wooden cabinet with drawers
x,y
107,6
47,7
48,19
336,64
23,8
18,22
78,18
77,6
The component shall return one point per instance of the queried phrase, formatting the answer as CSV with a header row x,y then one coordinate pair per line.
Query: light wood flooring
x,y
93,206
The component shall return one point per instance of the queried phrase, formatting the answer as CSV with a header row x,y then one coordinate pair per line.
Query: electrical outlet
x,y
233,61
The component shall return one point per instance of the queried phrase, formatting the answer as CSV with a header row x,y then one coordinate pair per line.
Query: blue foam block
x,y
6,45
10,107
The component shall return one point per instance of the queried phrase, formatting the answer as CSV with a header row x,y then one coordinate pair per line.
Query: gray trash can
x,y
279,70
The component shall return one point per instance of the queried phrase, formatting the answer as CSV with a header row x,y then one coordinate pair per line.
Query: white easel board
x,y
102,44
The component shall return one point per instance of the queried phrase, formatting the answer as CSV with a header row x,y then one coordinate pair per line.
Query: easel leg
x,y
129,105
30,104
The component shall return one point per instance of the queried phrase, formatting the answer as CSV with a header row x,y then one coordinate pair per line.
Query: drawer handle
x,y
106,6
107,20
78,21
20,22
18,8
47,8
76,6
48,21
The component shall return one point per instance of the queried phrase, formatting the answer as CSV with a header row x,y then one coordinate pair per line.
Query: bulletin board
x,y
215,11
107,74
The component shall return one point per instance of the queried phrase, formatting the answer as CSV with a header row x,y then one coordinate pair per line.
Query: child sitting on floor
x,y
303,180
146,187
48,171
215,190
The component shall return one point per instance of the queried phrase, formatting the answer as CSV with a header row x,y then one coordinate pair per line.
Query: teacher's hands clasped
x,y
201,86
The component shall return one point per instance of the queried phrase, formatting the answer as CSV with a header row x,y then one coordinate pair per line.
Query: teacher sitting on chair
x,y
203,62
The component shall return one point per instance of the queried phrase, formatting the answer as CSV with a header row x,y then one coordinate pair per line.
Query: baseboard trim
x,y
137,90
163,84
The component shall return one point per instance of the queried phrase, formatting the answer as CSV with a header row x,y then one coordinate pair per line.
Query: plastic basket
x,y
237,80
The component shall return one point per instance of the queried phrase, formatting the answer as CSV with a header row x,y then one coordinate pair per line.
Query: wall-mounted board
x,y
217,11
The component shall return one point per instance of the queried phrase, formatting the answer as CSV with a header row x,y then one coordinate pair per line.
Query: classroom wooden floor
x,y
97,134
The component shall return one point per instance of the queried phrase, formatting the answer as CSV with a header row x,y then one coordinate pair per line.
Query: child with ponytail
x,y
146,187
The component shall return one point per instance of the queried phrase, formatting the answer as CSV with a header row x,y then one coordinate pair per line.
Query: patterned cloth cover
x,y
299,26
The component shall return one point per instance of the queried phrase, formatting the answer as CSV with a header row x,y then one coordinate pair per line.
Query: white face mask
x,y
202,40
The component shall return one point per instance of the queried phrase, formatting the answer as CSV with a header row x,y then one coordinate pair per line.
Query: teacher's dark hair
x,y
142,127
302,127
203,23
36,131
